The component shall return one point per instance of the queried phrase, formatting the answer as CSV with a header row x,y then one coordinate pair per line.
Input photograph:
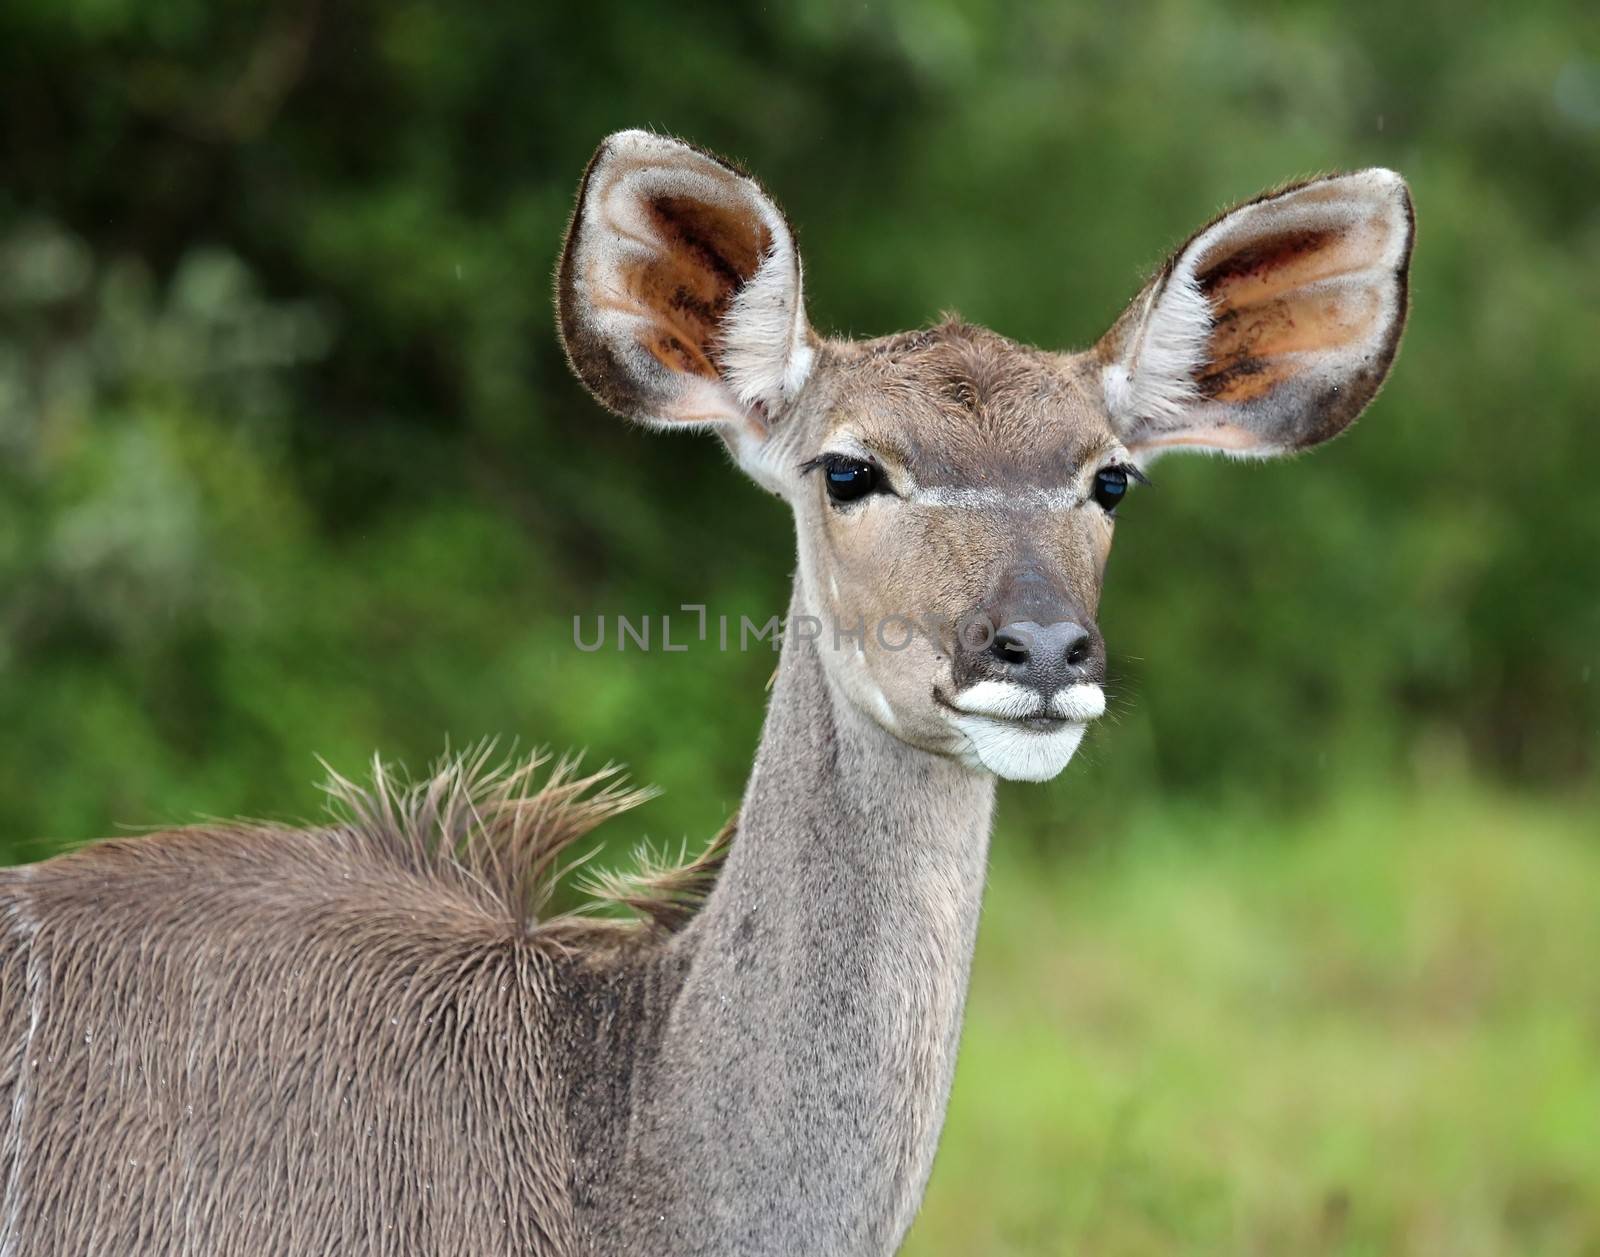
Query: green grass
x,y
1378,1034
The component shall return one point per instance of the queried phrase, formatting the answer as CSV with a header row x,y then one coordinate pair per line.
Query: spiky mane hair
x,y
492,831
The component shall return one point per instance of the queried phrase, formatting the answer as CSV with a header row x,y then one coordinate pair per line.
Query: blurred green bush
x,y
290,462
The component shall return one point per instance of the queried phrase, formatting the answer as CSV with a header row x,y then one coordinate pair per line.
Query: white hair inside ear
x,y
765,344
680,290
1272,328
1157,375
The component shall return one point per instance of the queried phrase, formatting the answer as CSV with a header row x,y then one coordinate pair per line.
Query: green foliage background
x,y
290,462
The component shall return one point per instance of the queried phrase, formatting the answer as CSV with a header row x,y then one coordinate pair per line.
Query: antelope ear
x,y
1272,328
679,291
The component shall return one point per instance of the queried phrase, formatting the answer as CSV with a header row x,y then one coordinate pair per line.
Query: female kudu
x,y
362,1038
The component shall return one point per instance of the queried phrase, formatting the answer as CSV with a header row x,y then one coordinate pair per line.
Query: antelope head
x,y
955,493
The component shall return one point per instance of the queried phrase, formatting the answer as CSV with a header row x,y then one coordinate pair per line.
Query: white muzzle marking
x,y
989,716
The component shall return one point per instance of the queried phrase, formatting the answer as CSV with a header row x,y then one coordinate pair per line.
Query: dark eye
x,y
850,478
1110,487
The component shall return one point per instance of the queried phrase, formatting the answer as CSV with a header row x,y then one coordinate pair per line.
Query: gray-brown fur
x,y
255,1039
369,1037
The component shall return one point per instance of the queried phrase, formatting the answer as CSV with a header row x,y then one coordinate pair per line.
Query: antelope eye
x,y
849,479
1110,487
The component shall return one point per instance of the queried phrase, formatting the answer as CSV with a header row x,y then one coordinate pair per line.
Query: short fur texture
x,y
368,1037
256,1039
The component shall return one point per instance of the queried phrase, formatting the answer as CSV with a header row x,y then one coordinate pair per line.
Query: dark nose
x,y
1044,657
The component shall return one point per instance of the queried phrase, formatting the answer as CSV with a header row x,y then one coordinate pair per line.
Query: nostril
x,y
1010,647
1044,656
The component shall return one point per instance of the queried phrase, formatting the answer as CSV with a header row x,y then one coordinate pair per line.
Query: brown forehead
x,y
957,404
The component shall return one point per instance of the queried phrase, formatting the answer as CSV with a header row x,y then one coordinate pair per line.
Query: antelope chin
x,y
1014,752
1016,735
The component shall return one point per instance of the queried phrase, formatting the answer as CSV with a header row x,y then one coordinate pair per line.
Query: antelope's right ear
x,y
679,292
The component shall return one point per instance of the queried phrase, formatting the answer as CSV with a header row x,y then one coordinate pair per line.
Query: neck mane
x,y
795,1099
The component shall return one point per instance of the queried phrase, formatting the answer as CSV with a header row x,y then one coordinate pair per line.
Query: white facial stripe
x,y
998,499
956,497
1023,498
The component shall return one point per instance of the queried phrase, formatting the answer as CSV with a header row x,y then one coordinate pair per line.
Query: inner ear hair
x,y
679,288
1272,327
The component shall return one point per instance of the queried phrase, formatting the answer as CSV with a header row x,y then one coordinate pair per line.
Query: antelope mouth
x,y
1042,722
1016,733
1017,707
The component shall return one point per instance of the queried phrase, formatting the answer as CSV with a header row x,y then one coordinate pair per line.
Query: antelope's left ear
x,y
1272,329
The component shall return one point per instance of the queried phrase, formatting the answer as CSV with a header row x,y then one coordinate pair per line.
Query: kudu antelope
x,y
363,1037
